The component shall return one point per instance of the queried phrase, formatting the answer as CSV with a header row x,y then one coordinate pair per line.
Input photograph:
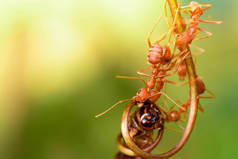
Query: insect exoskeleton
x,y
200,86
158,54
149,116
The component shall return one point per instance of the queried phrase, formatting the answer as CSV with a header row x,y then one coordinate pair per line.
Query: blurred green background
x,y
58,62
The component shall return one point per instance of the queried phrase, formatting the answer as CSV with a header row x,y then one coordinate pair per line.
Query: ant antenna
x,y
107,110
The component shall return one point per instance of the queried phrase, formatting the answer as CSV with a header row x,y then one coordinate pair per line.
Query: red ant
x,y
174,115
195,12
195,9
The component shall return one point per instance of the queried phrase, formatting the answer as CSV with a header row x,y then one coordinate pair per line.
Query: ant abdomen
x,y
155,54
150,117
158,54
200,86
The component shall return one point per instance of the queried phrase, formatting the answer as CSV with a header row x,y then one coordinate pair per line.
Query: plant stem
x,y
180,28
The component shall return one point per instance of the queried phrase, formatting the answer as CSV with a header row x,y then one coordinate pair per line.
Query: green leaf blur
x,y
58,63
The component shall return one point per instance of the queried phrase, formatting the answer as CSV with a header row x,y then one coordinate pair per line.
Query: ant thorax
x,y
183,39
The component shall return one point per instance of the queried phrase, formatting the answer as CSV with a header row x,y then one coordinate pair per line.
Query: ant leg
x,y
173,129
122,101
177,59
183,8
169,32
163,110
127,77
172,107
169,99
165,99
145,69
205,5
204,31
212,95
141,72
185,11
174,50
207,21
180,126
165,34
201,51
149,36
165,12
200,107
177,84
173,25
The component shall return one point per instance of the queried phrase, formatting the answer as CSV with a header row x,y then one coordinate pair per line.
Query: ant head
x,y
195,8
142,95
